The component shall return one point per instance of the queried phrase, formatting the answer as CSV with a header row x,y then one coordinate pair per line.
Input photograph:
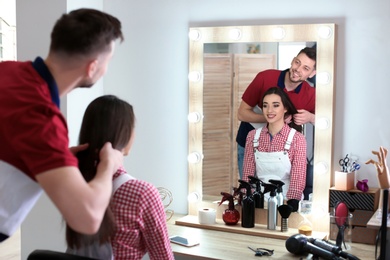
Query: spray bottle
x,y
272,205
258,195
279,190
230,216
248,206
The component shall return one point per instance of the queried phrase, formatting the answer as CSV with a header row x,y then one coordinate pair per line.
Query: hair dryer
x,y
332,248
299,244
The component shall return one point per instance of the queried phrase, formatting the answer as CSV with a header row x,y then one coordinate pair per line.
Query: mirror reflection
x,y
212,137
228,70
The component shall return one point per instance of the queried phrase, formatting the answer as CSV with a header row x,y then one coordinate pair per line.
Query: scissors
x,y
345,163
354,167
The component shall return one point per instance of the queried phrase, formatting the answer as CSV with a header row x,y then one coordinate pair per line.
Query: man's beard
x,y
293,81
86,84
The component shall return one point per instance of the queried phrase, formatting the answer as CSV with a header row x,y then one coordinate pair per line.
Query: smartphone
x,y
184,241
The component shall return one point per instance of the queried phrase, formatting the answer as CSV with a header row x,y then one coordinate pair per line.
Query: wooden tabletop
x,y
225,245
376,221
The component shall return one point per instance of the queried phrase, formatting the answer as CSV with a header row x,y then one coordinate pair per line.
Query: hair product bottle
x,y
279,190
272,205
248,206
230,216
258,195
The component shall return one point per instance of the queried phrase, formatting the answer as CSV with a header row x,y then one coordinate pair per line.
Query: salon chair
x,y
50,255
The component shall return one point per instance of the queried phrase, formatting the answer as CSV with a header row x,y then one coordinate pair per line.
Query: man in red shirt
x,y
34,145
293,82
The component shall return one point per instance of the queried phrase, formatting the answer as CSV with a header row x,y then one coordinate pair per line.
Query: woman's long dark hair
x,y
288,105
106,119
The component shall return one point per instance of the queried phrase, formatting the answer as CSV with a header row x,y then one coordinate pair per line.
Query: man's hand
x,y
110,157
303,116
381,168
288,119
76,149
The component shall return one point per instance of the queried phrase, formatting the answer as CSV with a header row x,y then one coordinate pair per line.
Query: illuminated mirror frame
x,y
325,37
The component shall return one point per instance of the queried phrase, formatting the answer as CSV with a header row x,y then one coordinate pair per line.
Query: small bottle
x,y
272,206
258,195
230,216
248,206
279,191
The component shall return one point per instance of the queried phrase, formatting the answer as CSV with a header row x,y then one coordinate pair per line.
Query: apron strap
x,y
256,138
289,139
118,181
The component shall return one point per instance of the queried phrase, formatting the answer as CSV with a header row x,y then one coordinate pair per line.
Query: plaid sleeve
x,y
297,155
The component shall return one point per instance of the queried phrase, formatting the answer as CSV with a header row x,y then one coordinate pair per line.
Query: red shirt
x,y
141,222
303,97
33,132
296,154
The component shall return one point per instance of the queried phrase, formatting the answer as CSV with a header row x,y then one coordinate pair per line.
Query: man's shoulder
x,y
270,72
308,88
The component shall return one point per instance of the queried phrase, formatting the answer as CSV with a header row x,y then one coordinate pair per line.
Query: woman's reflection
x,y
293,82
277,151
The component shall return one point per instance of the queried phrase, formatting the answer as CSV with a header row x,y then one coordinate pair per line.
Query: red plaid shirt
x,y
141,222
297,155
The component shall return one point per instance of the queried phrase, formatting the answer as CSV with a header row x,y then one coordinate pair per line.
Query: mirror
x,y
324,37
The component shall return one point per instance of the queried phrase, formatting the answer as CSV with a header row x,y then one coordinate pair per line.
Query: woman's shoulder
x,y
298,136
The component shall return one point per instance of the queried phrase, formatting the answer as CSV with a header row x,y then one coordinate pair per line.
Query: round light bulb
x,y
194,76
194,35
323,78
322,123
235,34
193,197
278,33
194,117
324,32
321,168
194,157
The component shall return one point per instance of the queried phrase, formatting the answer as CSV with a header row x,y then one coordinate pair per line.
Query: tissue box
x,y
344,180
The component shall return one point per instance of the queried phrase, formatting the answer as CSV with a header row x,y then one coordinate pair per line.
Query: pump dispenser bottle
x,y
272,205
248,206
258,195
279,191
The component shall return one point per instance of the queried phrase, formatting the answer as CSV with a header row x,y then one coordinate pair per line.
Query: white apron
x,y
273,165
18,194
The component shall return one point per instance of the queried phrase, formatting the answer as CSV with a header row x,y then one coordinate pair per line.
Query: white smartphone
x,y
184,241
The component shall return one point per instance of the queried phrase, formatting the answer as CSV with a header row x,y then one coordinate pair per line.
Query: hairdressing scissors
x,y
262,251
354,166
345,163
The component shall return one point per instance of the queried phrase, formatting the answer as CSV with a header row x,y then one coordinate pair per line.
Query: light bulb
x,y
193,197
323,78
194,117
322,123
278,33
194,35
321,168
194,76
194,157
235,34
324,32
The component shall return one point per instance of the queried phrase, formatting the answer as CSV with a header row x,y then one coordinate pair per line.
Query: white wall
x,y
150,71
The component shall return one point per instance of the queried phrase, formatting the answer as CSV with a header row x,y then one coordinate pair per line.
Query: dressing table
x,y
226,245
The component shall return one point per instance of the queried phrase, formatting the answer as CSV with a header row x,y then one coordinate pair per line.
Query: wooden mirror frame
x,y
325,37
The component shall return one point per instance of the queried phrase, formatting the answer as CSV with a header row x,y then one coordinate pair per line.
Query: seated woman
x,y
135,222
277,151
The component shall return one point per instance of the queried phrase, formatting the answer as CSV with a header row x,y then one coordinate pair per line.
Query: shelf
x,y
258,230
